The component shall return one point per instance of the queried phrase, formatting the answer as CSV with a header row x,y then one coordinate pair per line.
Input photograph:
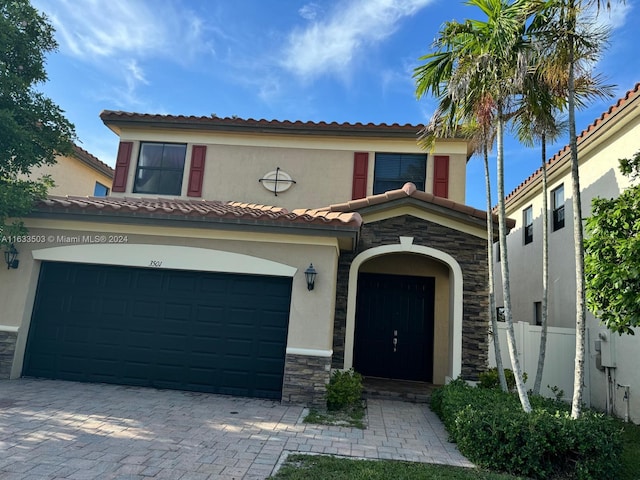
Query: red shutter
x,y
441,176
360,171
122,167
196,171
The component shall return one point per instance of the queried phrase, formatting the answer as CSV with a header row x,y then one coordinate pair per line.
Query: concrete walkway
x,y
65,430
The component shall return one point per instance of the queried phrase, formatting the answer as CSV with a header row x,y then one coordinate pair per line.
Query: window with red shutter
x,y
122,167
441,176
196,171
360,172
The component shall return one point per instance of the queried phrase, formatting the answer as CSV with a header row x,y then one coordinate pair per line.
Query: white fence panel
x,y
559,361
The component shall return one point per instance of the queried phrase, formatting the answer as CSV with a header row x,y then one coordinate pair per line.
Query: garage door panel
x,y
117,280
178,311
87,276
210,332
143,308
206,345
147,280
268,350
135,340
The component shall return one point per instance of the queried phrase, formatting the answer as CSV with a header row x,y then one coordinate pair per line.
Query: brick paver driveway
x,y
65,430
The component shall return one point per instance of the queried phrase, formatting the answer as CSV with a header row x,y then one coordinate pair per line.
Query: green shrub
x,y
493,431
344,390
490,379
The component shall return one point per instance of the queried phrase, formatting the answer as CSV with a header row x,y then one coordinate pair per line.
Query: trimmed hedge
x,y
493,431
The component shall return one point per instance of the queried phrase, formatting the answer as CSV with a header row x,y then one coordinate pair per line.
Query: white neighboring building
x,y
612,361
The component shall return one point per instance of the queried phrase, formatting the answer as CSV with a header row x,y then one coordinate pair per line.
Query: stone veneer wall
x,y
470,252
305,380
7,349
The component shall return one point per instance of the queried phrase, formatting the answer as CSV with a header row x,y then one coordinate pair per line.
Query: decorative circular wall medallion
x,y
277,181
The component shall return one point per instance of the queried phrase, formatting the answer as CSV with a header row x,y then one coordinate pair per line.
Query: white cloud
x,y
310,11
614,17
119,37
97,28
331,45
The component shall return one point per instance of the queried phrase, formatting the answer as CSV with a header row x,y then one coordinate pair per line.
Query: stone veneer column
x,y
305,379
7,349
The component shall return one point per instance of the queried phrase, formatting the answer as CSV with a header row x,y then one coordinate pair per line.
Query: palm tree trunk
x,y
578,236
504,266
545,269
492,295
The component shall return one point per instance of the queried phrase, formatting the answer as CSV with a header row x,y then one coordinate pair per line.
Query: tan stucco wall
x,y
72,177
311,318
406,264
321,166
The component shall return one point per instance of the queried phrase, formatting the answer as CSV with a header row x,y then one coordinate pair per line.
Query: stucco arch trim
x,y
165,257
455,321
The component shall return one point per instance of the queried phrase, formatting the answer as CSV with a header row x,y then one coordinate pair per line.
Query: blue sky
x,y
322,60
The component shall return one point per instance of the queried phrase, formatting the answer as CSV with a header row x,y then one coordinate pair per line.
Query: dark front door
x,y
394,326
200,331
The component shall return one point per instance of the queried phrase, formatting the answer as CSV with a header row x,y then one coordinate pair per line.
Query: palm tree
x,y
535,120
476,131
542,100
557,25
476,62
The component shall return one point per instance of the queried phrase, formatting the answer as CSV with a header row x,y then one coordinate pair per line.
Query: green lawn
x,y
631,452
320,467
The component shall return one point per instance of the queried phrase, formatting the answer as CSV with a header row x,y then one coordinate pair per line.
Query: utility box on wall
x,y
607,349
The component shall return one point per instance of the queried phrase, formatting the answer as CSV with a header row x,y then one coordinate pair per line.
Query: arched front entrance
x,y
419,290
394,331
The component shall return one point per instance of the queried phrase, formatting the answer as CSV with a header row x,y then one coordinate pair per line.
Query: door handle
x,y
395,343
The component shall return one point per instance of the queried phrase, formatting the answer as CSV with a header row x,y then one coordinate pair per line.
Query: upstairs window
x,y
557,206
527,221
160,168
393,170
100,190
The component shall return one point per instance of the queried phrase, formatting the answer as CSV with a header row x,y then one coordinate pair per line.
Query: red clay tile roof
x,y
117,118
563,154
224,212
410,190
92,161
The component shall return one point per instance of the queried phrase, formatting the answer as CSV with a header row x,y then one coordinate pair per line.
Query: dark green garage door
x,y
200,331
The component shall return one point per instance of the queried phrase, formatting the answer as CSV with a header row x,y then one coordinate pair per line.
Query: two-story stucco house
x,y
611,360
191,274
80,173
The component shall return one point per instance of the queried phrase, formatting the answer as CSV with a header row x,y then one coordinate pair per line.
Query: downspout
x,y
607,396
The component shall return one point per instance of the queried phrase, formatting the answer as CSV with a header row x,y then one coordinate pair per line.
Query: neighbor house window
x,y
160,168
537,313
557,206
393,170
527,221
100,190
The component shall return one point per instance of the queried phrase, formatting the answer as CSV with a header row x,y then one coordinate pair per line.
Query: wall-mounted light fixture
x,y
10,256
310,275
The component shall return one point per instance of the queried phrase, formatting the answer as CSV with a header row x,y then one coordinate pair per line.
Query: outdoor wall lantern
x,y
10,255
310,274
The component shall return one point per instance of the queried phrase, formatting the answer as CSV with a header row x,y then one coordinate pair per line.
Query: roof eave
x,y
195,221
